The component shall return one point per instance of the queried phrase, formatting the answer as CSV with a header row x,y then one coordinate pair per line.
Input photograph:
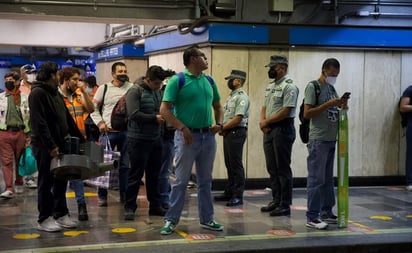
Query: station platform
x,y
380,221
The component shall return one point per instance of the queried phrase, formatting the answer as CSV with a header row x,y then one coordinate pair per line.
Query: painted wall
x,y
375,78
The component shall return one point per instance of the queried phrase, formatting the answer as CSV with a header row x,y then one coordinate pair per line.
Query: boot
x,y
82,212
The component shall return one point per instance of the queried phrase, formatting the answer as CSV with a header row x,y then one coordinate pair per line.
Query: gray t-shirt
x,y
279,94
323,127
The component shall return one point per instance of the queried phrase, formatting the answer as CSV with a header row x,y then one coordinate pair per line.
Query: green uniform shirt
x,y
279,94
323,127
193,101
237,104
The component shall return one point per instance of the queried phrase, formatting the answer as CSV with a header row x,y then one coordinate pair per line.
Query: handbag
x,y
27,162
110,179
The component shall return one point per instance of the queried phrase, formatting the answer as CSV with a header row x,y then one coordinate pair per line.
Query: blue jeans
x,y
320,189
168,153
78,188
408,165
202,152
118,140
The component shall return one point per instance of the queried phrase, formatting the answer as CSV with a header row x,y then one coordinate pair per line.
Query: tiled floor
x,y
380,221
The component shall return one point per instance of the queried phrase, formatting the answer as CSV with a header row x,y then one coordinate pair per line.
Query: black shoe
x,y
270,207
82,212
157,211
280,211
222,197
128,214
235,202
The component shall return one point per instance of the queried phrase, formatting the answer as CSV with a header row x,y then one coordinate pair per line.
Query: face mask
x,y
272,73
230,84
122,78
89,90
331,80
31,78
9,85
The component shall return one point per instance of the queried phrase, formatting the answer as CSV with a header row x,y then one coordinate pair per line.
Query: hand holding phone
x,y
346,95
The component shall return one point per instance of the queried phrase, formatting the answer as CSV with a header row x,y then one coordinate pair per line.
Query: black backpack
x,y
304,123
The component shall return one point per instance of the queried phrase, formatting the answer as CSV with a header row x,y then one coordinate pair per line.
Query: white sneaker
x,y
66,222
30,184
409,187
19,189
49,225
7,194
316,223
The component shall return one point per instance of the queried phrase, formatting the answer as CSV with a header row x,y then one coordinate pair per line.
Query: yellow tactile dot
x,y
75,233
123,230
26,236
381,217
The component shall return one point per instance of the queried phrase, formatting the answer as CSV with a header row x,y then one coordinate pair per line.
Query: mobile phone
x,y
346,95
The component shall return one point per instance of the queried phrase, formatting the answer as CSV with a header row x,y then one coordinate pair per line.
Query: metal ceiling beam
x,y
162,12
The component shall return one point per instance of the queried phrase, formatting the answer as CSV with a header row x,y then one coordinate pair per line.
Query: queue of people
x,y
174,122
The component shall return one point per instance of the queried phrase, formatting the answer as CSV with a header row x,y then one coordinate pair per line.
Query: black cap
x,y
277,59
236,74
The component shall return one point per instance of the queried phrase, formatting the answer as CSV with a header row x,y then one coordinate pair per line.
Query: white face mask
x,y
331,79
31,78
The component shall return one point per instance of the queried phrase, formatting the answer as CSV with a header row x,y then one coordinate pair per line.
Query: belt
x,y
237,128
200,130
14,129
284,122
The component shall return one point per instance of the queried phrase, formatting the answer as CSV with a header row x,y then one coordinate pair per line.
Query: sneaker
x,y
213,225
19,189
409,187
168,228
7,194
316,223
30,183
49,225
66,222
102,201
331,219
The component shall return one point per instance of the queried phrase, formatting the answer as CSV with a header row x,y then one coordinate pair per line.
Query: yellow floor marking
x,y
409,216
377,217
181,233
26,236
75,233
86,194
123,230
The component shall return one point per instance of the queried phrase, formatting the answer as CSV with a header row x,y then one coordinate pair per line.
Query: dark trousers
x,y
51,192
233,142
277,145
408,163
145,157
118,140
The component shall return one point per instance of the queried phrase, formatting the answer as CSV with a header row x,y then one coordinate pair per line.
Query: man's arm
x,y
404,105
218,111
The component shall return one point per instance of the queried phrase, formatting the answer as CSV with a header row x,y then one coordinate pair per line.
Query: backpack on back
x,y
118,118
181,76
304,123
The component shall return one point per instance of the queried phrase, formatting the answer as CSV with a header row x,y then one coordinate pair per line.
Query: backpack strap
x,y
101,104
181,77
317,90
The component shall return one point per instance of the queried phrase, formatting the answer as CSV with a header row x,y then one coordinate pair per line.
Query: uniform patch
x,y
242,103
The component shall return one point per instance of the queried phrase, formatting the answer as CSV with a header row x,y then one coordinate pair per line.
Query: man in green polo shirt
x,y
195,101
